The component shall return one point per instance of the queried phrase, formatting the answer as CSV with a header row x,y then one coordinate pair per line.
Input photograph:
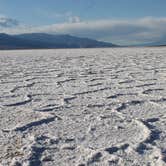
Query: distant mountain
x,y
42,40
13,42
161,42
158,43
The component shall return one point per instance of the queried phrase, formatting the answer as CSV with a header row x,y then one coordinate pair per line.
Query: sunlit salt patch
x,y
102,135
87,107
145,110
13,120
18,102
52,107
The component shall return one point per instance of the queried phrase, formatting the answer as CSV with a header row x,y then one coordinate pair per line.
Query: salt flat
x,y
83,107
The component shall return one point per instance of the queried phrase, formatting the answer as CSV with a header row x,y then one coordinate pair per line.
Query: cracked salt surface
x,y
83,107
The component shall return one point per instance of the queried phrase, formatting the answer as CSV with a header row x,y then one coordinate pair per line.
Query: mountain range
x,y
48,41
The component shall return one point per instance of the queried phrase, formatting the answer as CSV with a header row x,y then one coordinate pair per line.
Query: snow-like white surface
x,y
83,107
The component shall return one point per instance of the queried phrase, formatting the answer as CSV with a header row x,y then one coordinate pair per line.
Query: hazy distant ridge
x,y
42,40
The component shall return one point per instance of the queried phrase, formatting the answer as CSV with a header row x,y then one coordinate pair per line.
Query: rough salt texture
x,y
83,107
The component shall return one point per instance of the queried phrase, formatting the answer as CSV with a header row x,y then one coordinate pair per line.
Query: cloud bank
x,y
143,30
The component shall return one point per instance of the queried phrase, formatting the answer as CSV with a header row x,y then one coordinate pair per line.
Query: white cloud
x,y
147,29
67,16
7,22
74,19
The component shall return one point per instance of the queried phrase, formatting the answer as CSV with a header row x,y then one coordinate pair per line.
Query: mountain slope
x,y
12,42
42,40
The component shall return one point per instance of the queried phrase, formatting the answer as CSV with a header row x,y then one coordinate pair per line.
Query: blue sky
x,y
74,17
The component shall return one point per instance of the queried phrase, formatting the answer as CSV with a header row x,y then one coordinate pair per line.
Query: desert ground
x,y
83,107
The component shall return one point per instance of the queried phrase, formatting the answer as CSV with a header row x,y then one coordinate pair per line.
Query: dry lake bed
x,y
83,107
